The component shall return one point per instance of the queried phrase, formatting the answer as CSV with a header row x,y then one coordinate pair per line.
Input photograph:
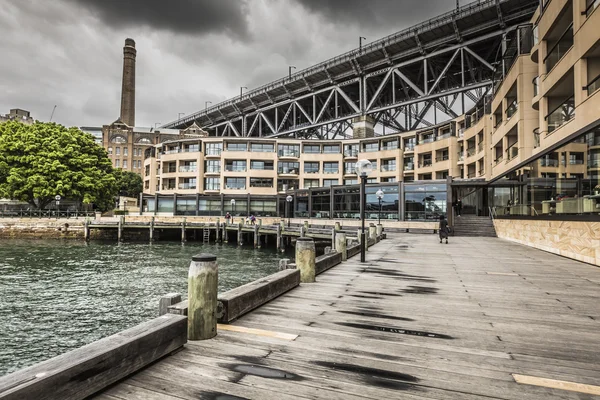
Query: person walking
x,y
252,219
227,218
443,230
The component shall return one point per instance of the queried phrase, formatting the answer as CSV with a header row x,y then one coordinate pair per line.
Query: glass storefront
x,y
425,202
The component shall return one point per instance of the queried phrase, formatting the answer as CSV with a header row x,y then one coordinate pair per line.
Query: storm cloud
x,y
185,16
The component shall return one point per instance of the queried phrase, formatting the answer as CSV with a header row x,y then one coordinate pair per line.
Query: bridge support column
x,y
364,127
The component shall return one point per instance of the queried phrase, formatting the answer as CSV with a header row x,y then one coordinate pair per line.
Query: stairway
x,y
472,225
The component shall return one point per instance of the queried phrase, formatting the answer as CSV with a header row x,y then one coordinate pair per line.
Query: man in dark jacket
x,y
443,229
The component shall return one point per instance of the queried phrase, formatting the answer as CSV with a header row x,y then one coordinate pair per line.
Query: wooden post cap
x,y
204,257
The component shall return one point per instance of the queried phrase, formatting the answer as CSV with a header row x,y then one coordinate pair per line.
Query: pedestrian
x,y
458,206
252,219
227,218
443,230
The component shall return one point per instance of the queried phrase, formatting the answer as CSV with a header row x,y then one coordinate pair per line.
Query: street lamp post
x,y
57,199
233,206
289,200
363,169
379,194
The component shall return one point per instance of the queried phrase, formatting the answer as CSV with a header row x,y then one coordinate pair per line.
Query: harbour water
x,y
58,296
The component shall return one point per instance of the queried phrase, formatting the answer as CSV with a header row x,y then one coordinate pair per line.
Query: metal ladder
x,y
206,235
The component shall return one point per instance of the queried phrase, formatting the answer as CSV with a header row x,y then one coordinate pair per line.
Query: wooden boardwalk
x,y
419,320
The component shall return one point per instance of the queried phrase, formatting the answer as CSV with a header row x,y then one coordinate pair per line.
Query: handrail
x,y
591,83
549,52
559,106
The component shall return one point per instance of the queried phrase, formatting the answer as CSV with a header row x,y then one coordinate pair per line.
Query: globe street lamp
x,y
379,194
233,206
289,200
57,199
363,169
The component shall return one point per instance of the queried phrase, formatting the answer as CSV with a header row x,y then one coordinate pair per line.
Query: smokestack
x,y
128,89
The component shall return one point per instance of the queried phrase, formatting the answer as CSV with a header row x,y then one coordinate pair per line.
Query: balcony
x,y
213,152
593,163
388,168
289,153
461,156
512,109
212,188
409,147
331,171
409,167
311,171
427,140
536,138
235,187
351,171
498,160
444,136
480,147
561,114
287,171
172,151
188,168
593,85
461,132
425,163
536,86
187,186
512,152
575,161
561,47
471,151
213,170
442,158
351,153
234,168
548,162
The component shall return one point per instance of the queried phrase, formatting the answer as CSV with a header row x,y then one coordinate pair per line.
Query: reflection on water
x,y
57,296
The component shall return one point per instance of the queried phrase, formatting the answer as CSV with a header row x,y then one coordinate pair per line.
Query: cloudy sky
x,y
68,53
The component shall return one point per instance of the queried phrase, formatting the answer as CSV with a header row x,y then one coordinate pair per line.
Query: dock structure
x,y
239,232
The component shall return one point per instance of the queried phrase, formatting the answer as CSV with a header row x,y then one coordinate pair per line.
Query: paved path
x,y
419,320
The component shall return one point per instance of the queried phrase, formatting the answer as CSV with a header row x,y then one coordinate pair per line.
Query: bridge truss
x,y
415,78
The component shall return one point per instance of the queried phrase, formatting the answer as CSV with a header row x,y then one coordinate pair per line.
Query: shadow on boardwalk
x,y
418,320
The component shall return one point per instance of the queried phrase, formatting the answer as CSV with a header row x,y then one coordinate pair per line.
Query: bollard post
x,y
218,231
240,234
305,259
302,231
256,238
203,279
120,229
306,226
341,246
333,233
358,235
166,301
372,232
279,241
379,230
86,230
152,229
183,239
338,226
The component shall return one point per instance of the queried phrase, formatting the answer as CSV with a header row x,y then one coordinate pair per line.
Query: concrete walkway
x,y
419,320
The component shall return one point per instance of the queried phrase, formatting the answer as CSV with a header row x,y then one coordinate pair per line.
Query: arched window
x,y
118,139
144,141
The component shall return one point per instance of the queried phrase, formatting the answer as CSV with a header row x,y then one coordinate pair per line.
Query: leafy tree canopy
x,y
39,161
129,183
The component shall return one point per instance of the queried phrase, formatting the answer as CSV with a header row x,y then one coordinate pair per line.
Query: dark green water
x,y
57,296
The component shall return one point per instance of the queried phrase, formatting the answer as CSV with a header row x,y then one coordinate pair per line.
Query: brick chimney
x,y
128,89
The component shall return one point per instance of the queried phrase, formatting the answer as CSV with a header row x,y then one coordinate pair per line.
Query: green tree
x,y
39,161
129,184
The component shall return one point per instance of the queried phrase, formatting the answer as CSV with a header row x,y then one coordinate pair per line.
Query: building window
x,y
389,145
424,201
235,183
312,149
214,149
288,150
310,183
147,185
125,151
118,139
212,166
144,141
262,147
388,165
262,165
117,151
124,164
212,184
350,181
350,150
286,167
389,180
191,148
117,163
235,166
370,147
331,167
147,170
188,166
331,149
139,164
372,180
237,147
110,151
187,183
321,203
330,182
350,168
263,208
311,167
261,182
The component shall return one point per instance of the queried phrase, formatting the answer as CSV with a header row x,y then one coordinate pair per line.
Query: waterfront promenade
x,y
419,320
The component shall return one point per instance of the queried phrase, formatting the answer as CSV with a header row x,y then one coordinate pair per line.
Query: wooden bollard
x,y
358,234
338,226
372,232
256,237
379,230
240,234
183,238
305,259
166,301
303,231
333,233
86,230
203,280
341,246
225,234
279,240
120,228
152,229
218,232
306,226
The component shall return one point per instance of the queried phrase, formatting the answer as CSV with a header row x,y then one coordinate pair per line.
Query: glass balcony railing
x,y
235,187
498,160
350,171
214,187
561,114
331,170
593,85
425,163
426,140
171,151
548,162
213,170
187,168
169,170
311,171
512,109
498,121
213,152
409,147
351,153
512,152
593,163
388,168
235,168
575,162
442,158
559,49
289,153
285,170
187,186
480,147
444,136
471,151
409,167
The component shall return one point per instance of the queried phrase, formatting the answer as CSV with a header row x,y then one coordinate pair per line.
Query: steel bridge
x,y
418,77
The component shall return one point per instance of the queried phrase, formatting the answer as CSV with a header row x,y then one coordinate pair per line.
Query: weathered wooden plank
x,y
82,372
327,261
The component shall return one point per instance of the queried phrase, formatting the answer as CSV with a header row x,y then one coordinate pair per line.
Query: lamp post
x,y
233,206
363,169
379,194
289,200
57,199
